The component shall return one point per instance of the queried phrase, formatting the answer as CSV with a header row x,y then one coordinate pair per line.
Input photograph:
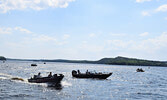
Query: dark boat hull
x,y
46,80
33,64
98,76
139,70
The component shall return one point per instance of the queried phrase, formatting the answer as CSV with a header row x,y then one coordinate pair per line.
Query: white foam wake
x,y
65,83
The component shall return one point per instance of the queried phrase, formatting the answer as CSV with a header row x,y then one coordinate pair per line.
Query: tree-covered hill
x,y
2,58
130,61
111,61
119,61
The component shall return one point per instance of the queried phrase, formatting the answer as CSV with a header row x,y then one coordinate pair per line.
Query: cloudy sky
x,y
83,29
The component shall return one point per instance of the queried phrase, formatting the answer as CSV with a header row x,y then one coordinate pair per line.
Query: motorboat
x,y
33,64
99,75
49,79
139,70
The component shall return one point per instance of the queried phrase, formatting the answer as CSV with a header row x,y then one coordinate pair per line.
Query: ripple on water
x,y
153,96
20,95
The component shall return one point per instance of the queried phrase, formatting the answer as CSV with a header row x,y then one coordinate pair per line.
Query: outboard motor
x,y
74,72
55,75
61,74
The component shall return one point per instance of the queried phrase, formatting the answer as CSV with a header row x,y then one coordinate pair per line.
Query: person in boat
x,y
38,76
50,74
55,75
87,72
79,72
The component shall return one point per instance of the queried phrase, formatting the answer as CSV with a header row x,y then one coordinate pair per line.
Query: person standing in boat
x,y
87,72
39,75
50,74
79,72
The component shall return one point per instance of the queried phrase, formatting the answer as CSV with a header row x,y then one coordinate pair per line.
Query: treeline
x,y
130,61
116,61
110,61
2,58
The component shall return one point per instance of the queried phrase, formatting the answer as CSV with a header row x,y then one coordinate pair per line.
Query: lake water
x,y
124,84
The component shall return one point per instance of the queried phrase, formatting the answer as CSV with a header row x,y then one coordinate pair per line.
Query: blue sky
x,y
83,29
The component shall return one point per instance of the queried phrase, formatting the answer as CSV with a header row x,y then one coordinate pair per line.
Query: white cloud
x,y
165,18
91,48
7,5
150,47
144,34
118,44
9,30
160,41
4,30
141,1
66,36
84,42
118,34
92,35
22,30
33,38
145,13
162,8
44,38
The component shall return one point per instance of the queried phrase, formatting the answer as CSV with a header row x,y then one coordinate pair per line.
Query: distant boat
x,y
33,64
50,79
90,75
139,70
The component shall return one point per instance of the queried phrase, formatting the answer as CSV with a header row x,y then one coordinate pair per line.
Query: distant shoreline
x,y
108,61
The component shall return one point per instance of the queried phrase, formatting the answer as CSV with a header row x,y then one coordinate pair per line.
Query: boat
x,y
49,79
33,64
90,75
139,70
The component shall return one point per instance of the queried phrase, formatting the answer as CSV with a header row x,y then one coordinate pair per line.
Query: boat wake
x,y
10,77
17,78
65,83
2,75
